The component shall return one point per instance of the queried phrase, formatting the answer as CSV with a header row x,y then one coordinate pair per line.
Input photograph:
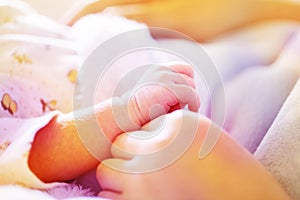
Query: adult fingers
x,y
152,137
110,180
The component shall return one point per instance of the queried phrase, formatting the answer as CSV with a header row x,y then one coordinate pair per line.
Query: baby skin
x,y
58,153
139,171
227,172
159,168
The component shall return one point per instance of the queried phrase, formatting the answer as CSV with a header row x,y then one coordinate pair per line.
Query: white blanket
x,y
279,151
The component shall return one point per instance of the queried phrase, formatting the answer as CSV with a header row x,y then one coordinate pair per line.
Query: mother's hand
x,y
166,165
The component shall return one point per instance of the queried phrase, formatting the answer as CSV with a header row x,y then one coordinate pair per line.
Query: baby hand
x,y
161,90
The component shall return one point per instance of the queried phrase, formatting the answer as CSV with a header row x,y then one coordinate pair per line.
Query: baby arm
x,y
58,153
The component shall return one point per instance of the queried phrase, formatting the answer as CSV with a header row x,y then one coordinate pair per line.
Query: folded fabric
x,y
16,137
15,192
279,150
39,64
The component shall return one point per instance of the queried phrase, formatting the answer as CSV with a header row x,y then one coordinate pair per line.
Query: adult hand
x,y
139,169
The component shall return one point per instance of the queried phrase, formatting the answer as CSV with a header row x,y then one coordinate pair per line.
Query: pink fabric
x,y
16,137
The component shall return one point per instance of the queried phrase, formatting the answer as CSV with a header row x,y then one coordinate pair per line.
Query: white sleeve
x,y
16,137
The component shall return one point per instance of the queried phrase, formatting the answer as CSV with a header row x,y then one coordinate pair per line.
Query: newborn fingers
x,y
186,95
178,79
183,69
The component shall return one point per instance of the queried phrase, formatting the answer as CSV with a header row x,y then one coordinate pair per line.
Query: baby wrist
x,y
125,114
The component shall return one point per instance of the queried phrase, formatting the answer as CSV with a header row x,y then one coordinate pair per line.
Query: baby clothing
x,y
40,63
